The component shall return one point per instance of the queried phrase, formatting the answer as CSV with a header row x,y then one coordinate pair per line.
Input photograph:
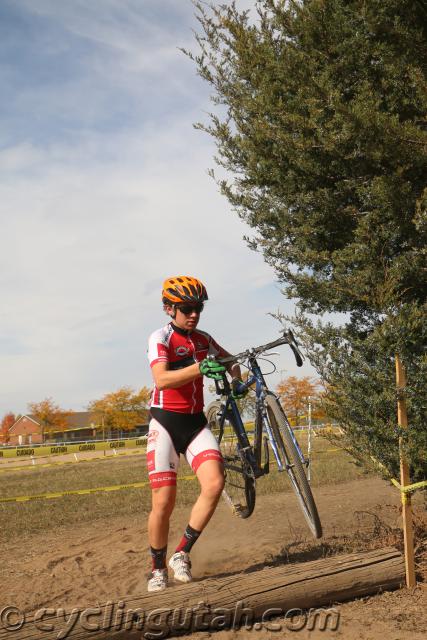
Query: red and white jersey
x,y
180,349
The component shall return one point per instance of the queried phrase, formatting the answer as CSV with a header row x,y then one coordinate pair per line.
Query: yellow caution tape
x,y
409,488
404,489
56,464
80,492
62,449
32,467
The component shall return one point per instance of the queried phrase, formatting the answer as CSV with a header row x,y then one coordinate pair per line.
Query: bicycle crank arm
x,y
232,467
252,466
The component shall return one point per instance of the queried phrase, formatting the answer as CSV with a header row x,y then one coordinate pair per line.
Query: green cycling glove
x,y
237,393
212,369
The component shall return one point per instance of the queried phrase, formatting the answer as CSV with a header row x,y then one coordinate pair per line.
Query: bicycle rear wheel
x,y
239,489
294,467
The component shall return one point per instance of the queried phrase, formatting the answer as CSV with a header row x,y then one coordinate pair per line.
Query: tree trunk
x,y
217,603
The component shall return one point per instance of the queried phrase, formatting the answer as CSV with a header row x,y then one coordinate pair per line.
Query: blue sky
x,y
103,193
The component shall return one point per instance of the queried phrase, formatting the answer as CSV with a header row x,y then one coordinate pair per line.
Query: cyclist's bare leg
x,y
163,502
210,475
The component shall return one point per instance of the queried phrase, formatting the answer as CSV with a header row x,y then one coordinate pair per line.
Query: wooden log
x,y
217,603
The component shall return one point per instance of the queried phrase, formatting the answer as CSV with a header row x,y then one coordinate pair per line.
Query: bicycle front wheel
x,y
239,489
294,466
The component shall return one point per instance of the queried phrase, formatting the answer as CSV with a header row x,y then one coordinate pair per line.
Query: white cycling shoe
x,y
181,564
158,580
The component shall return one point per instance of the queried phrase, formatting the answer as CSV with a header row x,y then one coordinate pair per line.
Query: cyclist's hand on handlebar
x,y
238,390
212,369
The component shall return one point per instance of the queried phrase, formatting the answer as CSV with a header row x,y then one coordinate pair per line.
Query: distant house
x,y
80,425
26,430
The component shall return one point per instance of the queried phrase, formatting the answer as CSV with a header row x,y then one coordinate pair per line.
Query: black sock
x,y
158,557
188,539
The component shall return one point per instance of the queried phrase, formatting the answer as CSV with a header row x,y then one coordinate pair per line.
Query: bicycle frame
x,y
243,462
252,454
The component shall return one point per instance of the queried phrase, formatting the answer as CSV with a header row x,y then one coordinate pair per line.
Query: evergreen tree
x,y
321,127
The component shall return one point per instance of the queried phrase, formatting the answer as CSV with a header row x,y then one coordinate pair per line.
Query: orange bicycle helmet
x,y
183,289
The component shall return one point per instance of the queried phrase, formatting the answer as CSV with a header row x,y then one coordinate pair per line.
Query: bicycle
x,y
245,462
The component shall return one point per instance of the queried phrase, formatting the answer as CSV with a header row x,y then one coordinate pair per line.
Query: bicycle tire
x,y
295,469
239,489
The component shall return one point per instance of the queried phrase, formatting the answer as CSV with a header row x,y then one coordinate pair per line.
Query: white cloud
x,y
144,36
93,221
20,158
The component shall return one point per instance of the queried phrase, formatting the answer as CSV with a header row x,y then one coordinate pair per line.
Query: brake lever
x,y
228,360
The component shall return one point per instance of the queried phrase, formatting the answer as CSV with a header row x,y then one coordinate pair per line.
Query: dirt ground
x,y
90,564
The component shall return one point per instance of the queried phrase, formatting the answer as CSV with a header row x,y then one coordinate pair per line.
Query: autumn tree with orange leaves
x,y
8,420
294,395
122,409
50,416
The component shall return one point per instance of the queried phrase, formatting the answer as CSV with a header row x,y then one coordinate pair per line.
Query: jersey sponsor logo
x,y
182,351
162,479
210,454
152,436
203,456
162,351
151,464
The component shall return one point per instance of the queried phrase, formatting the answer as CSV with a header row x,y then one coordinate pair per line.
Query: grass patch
x,y
24,518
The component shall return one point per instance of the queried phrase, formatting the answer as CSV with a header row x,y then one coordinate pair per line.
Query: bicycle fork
x,y
271,439
280,465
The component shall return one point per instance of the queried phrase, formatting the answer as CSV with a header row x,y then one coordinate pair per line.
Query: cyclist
x,y
178,358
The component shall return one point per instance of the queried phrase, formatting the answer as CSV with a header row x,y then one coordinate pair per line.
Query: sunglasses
x,y
186,309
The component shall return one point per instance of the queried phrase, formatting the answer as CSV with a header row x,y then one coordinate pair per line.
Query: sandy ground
x,y
106,560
